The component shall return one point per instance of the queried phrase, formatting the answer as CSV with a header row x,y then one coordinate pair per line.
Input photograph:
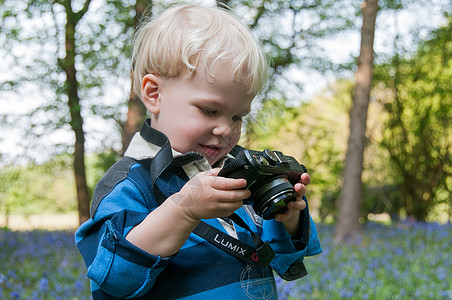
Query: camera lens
x,y
271,197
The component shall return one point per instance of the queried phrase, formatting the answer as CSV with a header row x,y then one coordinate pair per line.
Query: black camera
x,y
270,177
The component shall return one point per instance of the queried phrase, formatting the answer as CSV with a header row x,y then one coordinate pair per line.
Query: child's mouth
x,y
212,151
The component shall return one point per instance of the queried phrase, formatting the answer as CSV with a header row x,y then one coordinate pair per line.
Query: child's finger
x,y
297,205
284,216
300,189
223,183
305,178
233,195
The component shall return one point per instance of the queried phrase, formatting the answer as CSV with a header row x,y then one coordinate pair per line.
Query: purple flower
x,y
441,273
14,295
79,285
43,284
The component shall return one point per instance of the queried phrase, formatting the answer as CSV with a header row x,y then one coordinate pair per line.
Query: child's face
x,y
199,113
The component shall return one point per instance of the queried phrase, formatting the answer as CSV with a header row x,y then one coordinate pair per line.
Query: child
x,y
197,69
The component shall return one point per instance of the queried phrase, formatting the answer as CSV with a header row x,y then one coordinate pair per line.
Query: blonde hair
x,y
186,37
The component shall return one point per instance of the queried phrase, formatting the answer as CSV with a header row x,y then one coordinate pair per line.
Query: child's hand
x,y
290,217
208,196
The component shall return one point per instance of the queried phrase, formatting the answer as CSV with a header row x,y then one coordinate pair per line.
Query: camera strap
x,y
265,253
260,255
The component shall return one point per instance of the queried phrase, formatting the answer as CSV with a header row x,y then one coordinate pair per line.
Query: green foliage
x,y
417,132
312,133
98,164
48,187
32,38
33,189
316,134
33,44
407,162
292,34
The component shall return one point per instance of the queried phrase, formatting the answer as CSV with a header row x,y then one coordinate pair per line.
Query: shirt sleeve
x,y
113,263
290,253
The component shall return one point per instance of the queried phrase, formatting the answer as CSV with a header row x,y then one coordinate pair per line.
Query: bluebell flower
x,y
43,284
38,262
35,295
79,285
441,273
345,293
14,295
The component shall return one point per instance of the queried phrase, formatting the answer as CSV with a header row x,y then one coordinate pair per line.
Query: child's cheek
x,y
235,134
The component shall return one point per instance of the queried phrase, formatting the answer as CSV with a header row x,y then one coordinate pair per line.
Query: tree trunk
x,y
348,226
136,111
76,122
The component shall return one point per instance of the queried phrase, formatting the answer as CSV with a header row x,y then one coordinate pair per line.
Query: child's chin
x,y
211,160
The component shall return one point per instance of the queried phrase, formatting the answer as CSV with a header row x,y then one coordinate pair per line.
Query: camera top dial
x,y
261,160
270,156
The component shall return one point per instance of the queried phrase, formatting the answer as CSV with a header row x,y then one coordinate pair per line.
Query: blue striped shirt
x,y
118,269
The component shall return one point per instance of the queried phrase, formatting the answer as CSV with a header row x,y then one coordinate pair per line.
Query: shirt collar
x,y
149,141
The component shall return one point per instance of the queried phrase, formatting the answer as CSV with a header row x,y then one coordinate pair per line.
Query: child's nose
x,y
222,128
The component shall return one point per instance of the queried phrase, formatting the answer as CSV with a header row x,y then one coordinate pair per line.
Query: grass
x,y
400,261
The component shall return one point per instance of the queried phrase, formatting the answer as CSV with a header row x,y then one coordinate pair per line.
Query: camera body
x,y
270,177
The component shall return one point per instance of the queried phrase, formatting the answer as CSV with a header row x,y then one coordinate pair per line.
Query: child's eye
x,y
237,118
208,112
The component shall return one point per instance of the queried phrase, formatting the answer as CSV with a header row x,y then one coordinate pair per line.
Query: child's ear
x,y
150,92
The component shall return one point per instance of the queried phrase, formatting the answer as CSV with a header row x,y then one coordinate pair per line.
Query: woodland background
x,y
67,112
363,102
